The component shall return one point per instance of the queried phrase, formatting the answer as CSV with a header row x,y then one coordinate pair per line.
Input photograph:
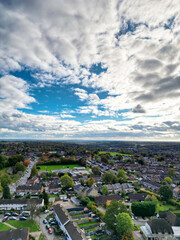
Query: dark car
x,y
44,221
47,226
15,214
7,214
22,218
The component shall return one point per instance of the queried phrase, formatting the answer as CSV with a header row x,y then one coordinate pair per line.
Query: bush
x,y
143,209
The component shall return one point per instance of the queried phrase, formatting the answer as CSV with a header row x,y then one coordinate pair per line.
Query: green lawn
x,y
49,168
31,224
4,227
115,153
167,207
87,224
176,211
41,237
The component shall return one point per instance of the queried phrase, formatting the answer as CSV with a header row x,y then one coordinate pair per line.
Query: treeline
x,y
11,161
62,161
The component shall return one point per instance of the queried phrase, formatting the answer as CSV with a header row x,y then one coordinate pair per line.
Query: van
x,y
26,213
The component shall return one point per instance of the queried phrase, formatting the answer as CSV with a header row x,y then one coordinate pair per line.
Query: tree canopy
x,y
165,192
109,177
143,209
124,223
66,181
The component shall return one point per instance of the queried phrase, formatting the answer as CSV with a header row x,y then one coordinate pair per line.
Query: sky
x,y
92,70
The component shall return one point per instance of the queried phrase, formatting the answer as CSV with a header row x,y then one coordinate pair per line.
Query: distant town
x,y
54,190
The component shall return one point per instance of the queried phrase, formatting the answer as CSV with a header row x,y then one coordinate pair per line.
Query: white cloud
x,y
59,41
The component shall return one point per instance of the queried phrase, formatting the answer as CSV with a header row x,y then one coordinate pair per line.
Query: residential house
x,y
117,188
152,185
54,188
33,189
138,197
157,229
19,204
176,192
101,200
15,234
172,218
70,228
127,187
33,181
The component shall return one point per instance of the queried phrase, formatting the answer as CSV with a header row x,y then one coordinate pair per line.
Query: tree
x,y
112,211
109,177
85,201
105,190
168,180
66,181
165,192
34,171
171,172
143,209
127,235
5,179
46,198
26,162
3,161
6,192
96,170
15,158
124,223
90,182
121,175
19,167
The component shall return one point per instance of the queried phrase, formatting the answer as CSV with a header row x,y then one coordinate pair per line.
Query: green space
x,y
4,169
76,215
53,195
176,211
49,168
161,207
4,227
31,224
115,153
87,224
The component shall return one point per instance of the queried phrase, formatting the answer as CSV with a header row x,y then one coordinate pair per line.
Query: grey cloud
x,y
138,109
150,64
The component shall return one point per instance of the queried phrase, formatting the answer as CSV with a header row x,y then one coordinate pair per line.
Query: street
x,y
24,178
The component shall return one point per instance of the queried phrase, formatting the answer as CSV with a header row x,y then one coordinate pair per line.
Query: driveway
x,y
42,226
66,205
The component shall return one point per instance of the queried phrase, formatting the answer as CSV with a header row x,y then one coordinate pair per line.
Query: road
x,y
23,179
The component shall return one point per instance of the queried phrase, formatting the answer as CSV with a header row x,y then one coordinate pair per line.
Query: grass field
x,y
161,207
49,168
176,211
4,227
115,153
31,224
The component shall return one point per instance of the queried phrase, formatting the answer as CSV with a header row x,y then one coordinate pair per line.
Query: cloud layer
x,y
136,46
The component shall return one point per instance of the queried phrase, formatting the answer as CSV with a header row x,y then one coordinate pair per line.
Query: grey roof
x,y
73,232
172,218
17,234
20,201
160,226
63,217
137,196
104,199
36,187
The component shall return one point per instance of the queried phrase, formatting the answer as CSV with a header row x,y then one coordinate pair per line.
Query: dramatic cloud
x,y
118,59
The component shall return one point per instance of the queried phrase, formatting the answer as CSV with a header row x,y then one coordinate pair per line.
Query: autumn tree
x,y
90,182
105,190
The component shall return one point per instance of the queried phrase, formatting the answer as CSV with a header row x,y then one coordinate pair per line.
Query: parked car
x,y
46,211
53,223
51,220
50,231
5,218
47,226
51,209
22,218
44,221
7,214
15,214
12,218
